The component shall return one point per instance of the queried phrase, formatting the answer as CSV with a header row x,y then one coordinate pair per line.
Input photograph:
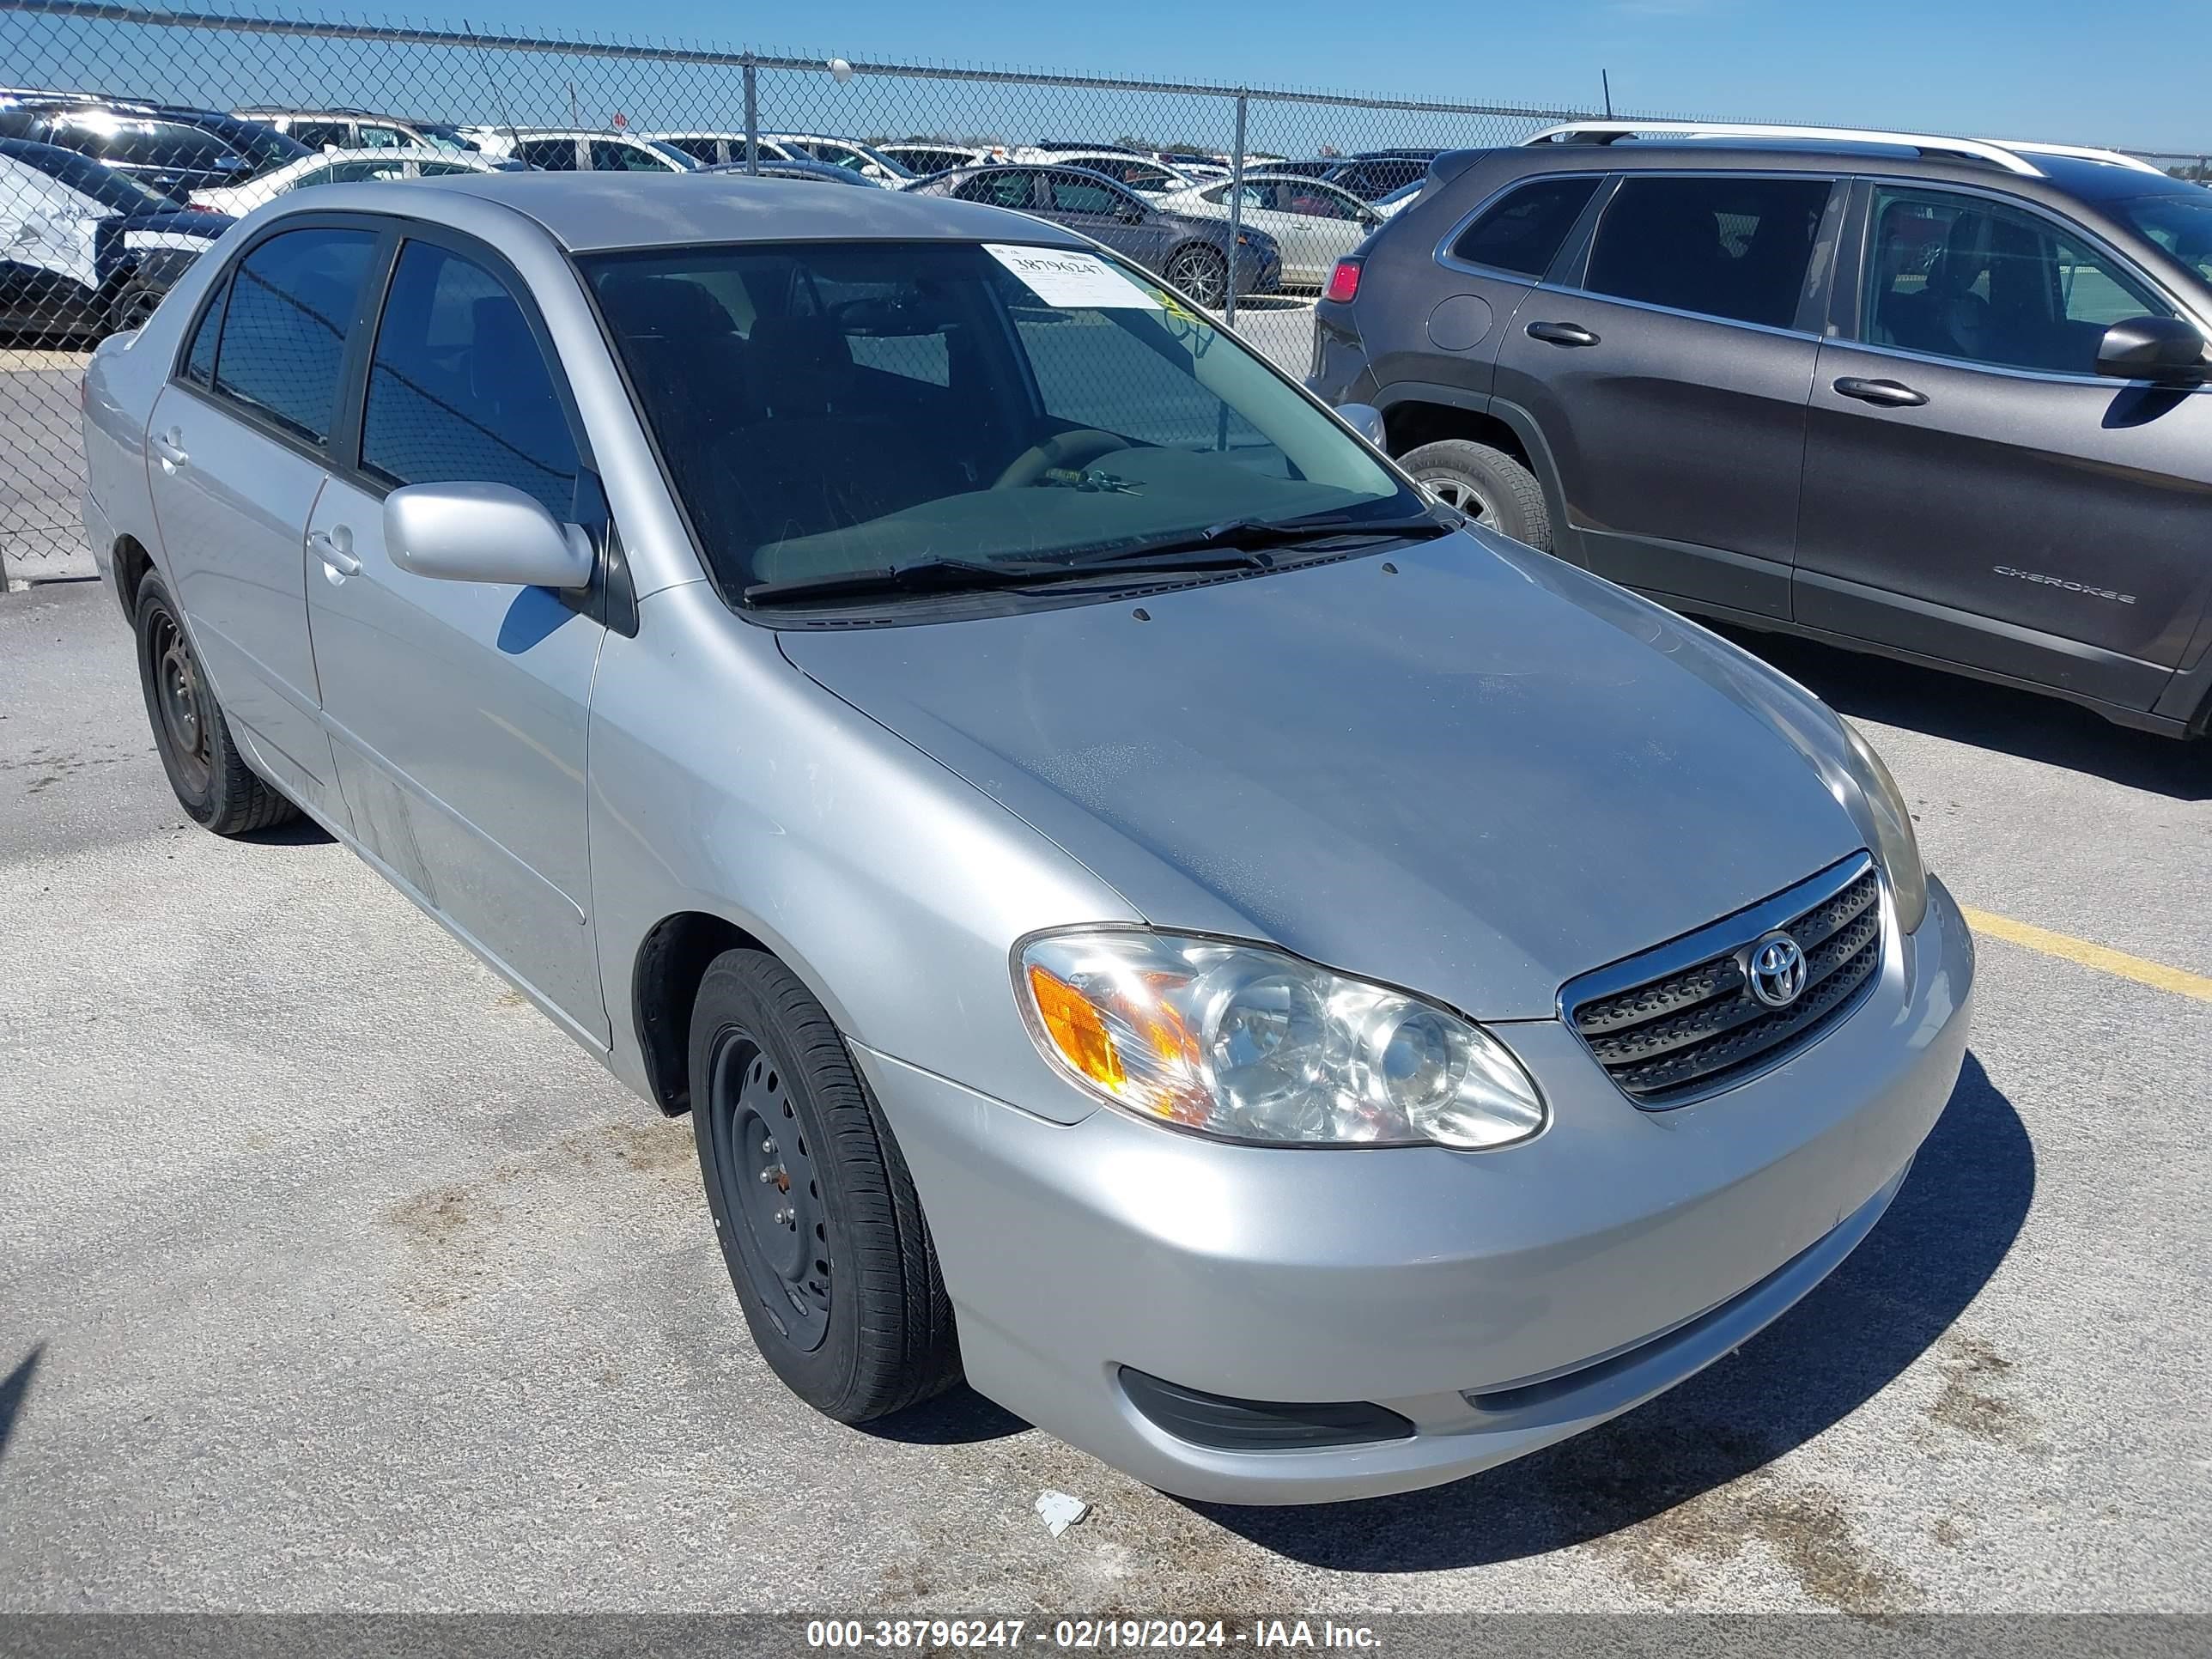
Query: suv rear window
x,y
1734,249
1522,233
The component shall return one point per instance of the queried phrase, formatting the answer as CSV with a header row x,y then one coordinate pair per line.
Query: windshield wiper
x,y
954,575
1255,536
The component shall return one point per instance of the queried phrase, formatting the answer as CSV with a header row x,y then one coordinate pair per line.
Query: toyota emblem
x,y
1776,970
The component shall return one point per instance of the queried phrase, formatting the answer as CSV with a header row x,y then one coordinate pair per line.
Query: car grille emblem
x,y
1776,968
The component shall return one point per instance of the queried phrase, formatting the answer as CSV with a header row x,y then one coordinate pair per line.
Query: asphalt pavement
x,y
332,1276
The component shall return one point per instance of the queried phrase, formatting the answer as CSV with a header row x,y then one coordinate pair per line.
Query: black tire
x,y
1201,271
1486,484
213,785
817,1215
132,306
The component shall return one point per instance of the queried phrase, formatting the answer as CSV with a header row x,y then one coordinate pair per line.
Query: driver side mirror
x,y
484,533
2152,349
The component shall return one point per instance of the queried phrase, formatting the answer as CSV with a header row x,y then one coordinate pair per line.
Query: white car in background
x,y
1141,174
339,167
1314,223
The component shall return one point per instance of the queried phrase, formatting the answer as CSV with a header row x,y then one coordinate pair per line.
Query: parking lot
x,y
331,1275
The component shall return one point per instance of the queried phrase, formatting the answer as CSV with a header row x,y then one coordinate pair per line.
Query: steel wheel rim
x,y
1455,490
177,694
1204,279
770,1190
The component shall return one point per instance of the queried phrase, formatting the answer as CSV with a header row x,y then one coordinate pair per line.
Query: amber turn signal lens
x,y
1075,1028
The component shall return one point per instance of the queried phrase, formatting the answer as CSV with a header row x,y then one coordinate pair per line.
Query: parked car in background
x,y
343,167
715,148
1191,252
1942,399
579,150
1375,174
1140,172
1291,987
922,157
1314,224
869,162
164,152
85,249
264,147
821,173
354,129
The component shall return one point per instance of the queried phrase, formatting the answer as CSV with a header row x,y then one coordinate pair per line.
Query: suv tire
x,y
816,1216
1486,484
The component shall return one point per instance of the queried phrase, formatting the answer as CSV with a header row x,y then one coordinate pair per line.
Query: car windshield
x,y
119,192
2181,223
682,161
831,409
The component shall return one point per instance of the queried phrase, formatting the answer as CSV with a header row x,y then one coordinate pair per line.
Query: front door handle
x,y
1562,334
334,549
1890,394
170,447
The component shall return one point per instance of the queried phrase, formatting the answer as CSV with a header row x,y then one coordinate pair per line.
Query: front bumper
x,y
1498,1302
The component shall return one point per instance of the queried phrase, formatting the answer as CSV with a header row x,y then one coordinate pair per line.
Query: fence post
x,y
752,118
1235,205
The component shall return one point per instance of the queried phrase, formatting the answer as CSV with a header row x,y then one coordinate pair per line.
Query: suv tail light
x,y
1344,282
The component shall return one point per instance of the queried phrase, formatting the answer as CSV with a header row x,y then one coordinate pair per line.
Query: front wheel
x,y
1486,484
1202,273
815,1213
213,785
133,306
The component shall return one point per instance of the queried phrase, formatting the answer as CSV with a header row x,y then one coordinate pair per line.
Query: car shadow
x,y
1946,1233
960,1418
13,1391
302,831
1963,710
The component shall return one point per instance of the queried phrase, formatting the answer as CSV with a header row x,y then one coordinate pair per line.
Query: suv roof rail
x,y
2007,156
2117,158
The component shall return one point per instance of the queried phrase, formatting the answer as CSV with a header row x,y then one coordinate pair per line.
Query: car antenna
x,y
499,95
1606,81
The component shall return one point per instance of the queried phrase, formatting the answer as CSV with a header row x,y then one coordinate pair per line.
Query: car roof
x,y
600,212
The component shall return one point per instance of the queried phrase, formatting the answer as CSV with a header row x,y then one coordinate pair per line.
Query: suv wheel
x,y
1486,484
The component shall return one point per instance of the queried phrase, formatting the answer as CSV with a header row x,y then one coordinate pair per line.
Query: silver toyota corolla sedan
x,y
1299,996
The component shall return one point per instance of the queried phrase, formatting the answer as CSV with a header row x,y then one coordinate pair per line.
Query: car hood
x,y
1466,769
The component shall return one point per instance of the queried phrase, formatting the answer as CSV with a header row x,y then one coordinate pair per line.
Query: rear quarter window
x,y
1522,232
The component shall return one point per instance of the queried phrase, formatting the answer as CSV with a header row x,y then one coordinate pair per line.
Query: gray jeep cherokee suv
x,y
1941,400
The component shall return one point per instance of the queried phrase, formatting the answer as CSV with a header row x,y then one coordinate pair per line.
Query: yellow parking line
x,y
2155,974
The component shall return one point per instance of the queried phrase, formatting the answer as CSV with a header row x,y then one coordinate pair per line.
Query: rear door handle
x,y
334,548
1890,394
169,447
1562,334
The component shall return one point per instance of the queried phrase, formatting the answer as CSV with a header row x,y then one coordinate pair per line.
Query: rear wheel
x,y
815,1213
132,307
1201,272
213,785
1486,484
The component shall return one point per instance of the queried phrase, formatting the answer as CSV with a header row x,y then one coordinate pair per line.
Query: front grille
x,y
1681,1021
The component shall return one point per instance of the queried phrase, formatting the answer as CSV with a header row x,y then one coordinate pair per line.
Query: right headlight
x,y
1895,844
1248,1044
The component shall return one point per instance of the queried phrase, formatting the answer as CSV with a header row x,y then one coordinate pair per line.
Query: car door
x,y
1974,490
1102,209
1668,378
458,710
237,449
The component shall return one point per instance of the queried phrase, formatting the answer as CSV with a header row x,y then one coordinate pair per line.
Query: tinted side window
x,y
292,304
1073,194
315,135
459,389
1008,190
199,361
1736,249
553,155
609,156
703,151
1964,276
1522,232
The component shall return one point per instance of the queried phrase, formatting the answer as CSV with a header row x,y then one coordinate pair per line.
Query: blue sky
x,y
2006,68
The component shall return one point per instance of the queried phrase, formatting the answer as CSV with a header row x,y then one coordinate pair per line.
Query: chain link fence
x,y
118,159
90,247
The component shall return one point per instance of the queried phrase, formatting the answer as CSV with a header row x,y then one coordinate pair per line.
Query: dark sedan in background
x,y
1195,255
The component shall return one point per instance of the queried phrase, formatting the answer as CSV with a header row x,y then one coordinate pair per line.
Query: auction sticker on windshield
x,y
1069,279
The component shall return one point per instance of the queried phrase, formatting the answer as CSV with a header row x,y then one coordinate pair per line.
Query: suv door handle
x,y
335,552
1890,394
1562,334
169,447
